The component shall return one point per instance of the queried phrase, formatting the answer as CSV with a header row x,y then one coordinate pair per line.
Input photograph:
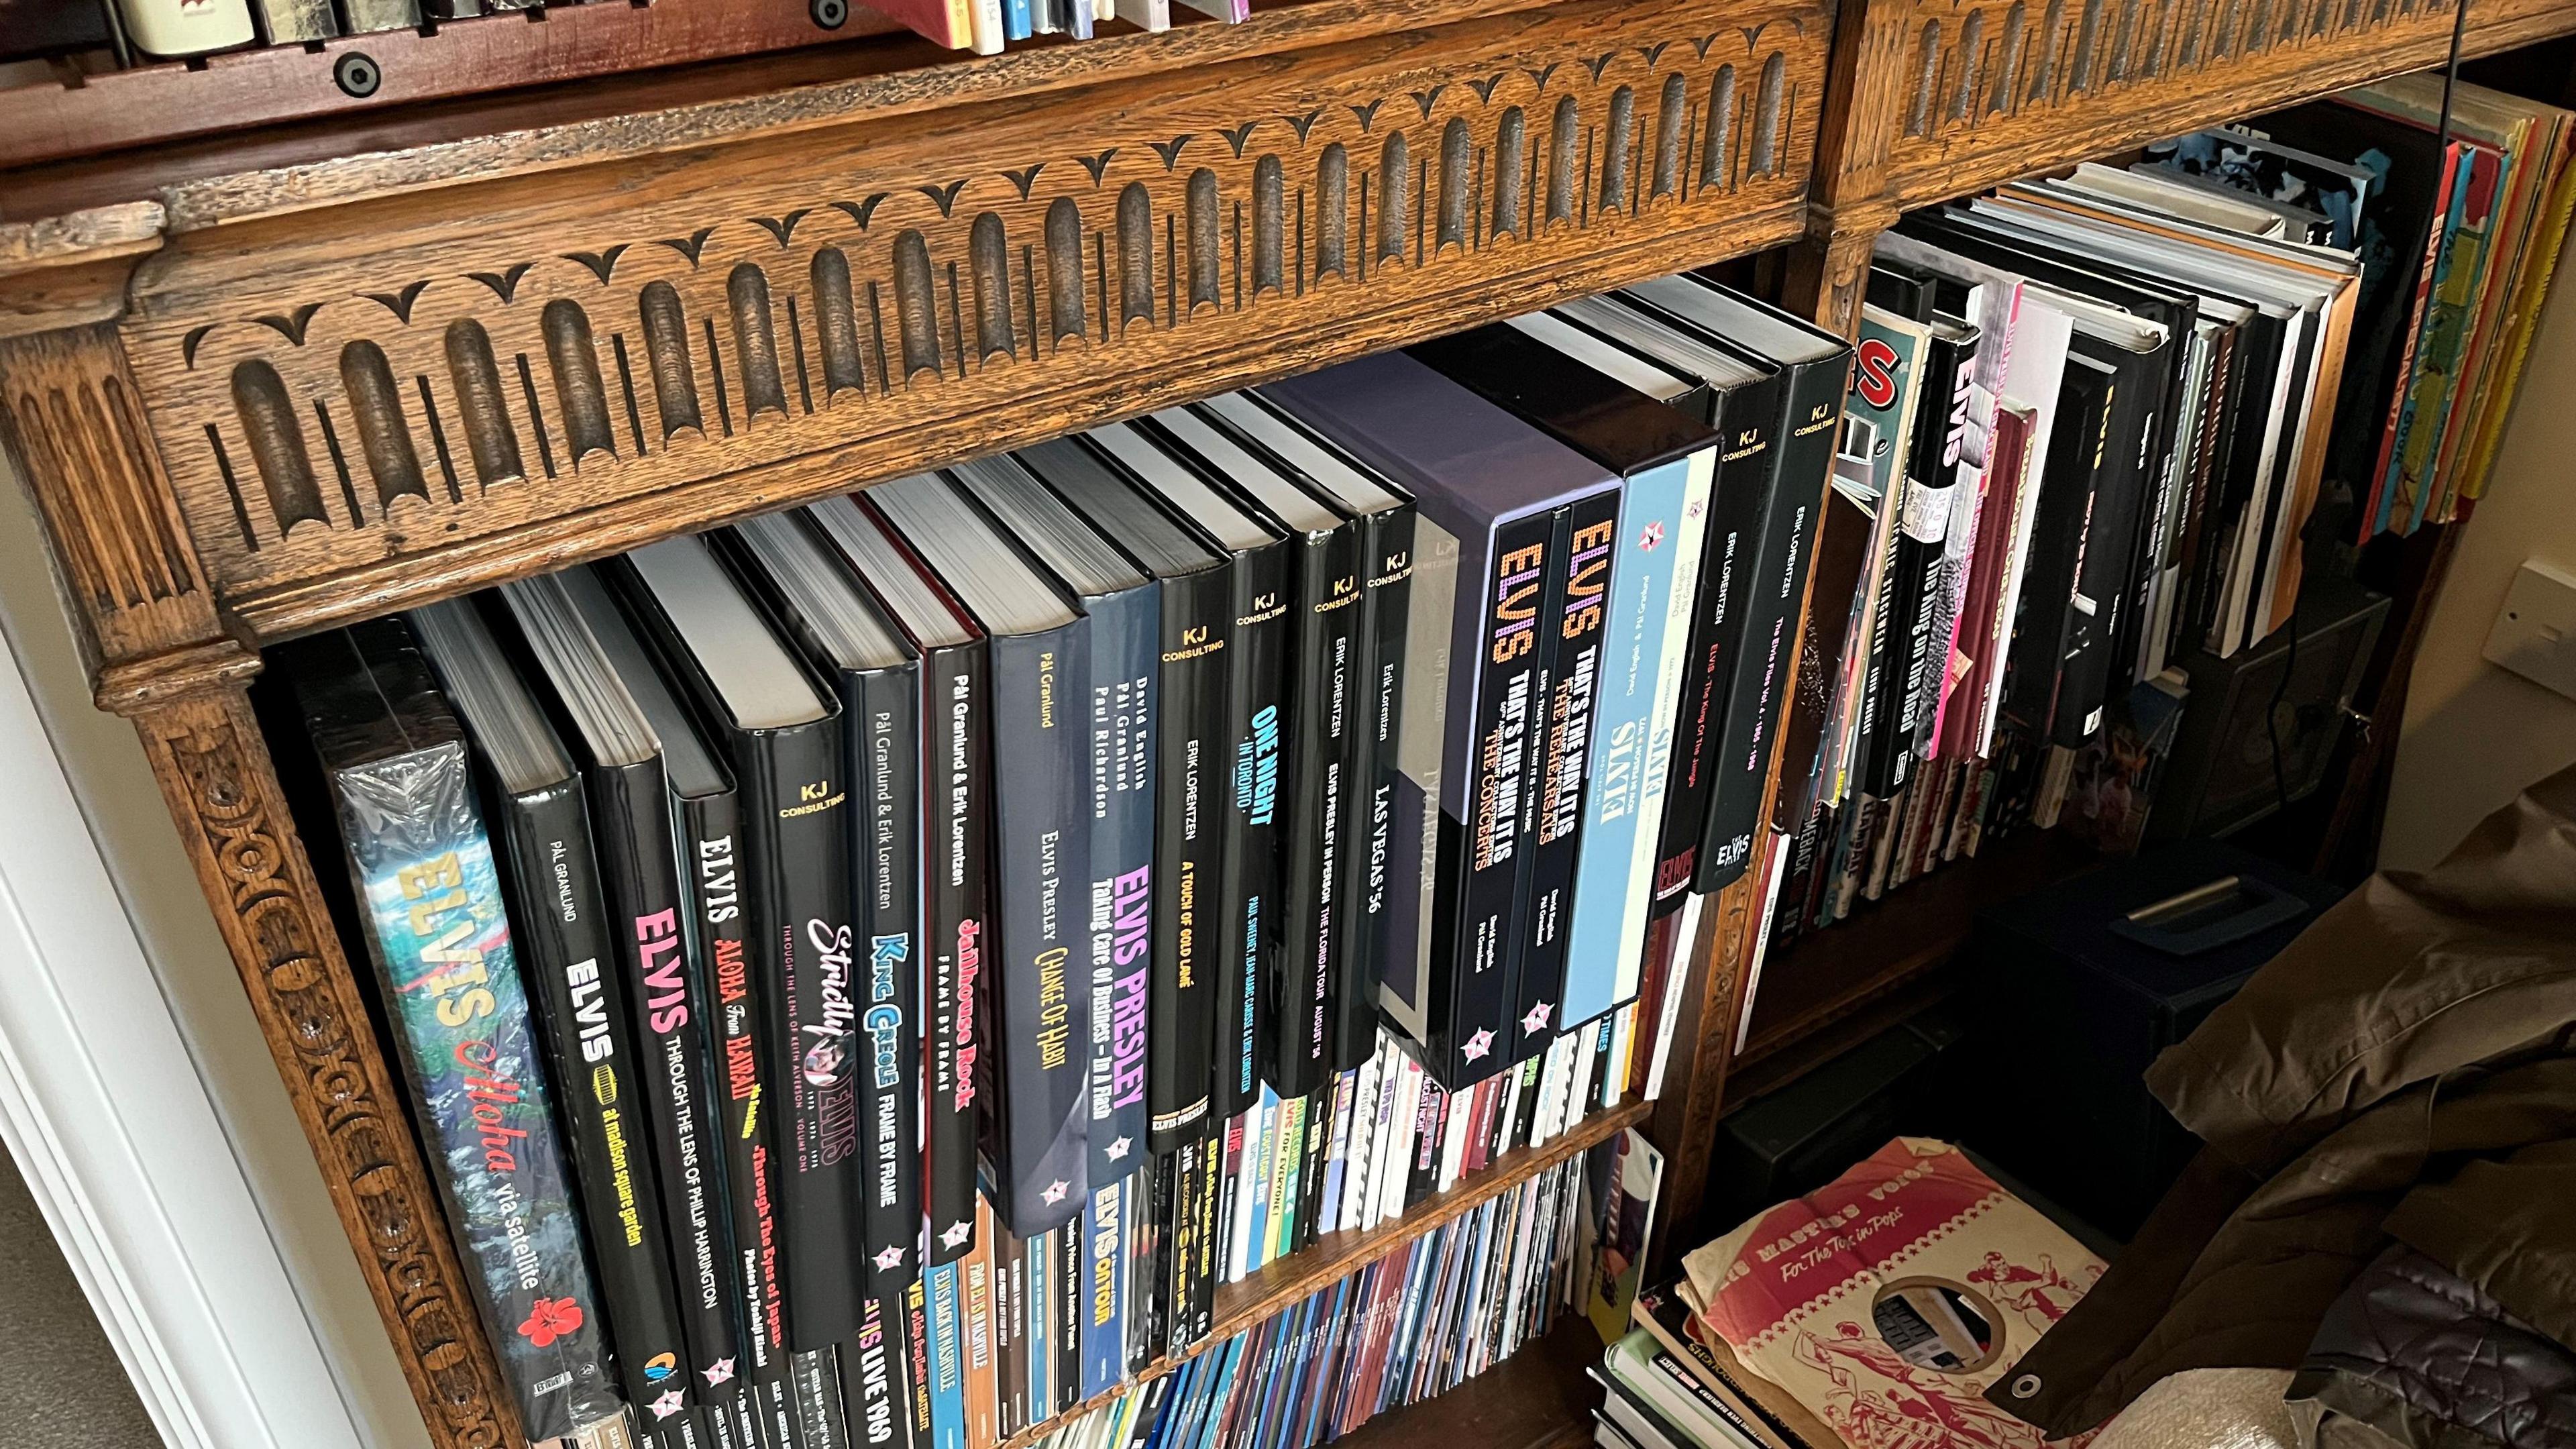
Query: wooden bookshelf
x,y
286,377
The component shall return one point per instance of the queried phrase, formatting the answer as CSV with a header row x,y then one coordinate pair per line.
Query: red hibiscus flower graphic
x,y
550,1319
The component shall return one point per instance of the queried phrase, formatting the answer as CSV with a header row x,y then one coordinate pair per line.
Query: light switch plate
x,y
2535,632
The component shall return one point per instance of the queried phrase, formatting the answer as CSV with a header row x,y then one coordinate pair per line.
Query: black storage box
x,y
2070,998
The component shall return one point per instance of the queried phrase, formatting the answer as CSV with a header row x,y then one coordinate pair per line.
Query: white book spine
x,y
1668,1018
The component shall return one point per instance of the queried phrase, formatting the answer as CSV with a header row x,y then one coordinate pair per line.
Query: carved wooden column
x,y
72,421
1848,205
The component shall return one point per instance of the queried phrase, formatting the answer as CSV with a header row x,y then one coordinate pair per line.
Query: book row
x,y
2454,207
1090,857
175,28
2092,419
1428,1316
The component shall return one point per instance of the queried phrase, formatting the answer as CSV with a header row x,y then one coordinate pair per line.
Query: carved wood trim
x,y
1983,92
70,419
363,407
215,773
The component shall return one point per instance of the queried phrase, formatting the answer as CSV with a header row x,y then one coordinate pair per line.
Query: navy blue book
x,y
1040,645
1196,622
1492,498
1123,705
1248,915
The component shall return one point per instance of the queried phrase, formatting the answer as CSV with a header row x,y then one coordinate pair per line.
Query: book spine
x,y
1370,881
1119,806
815,1375
1483,853
1318,739
956,775
711,830
794,796
1802,461
456,1001
1745,419
883,712
1193,912
1103,1299
1043,845
1564,756
1251,853
581,1005
872,1365
640,860
947,1355
1649,629
1070,1257
988,1415
1924,521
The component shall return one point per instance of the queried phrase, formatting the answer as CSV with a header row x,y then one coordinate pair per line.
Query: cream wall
x,y
2475,734
125,815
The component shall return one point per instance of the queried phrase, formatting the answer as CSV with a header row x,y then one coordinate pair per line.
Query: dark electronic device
x,y
2073,990
2221,776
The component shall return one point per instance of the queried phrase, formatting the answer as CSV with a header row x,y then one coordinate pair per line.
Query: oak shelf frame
x,y
176,334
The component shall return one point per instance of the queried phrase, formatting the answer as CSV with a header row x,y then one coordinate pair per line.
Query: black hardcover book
x,y
783,731
1039,1021
570,965
642,756
709,831
846,638
1250,854
1379,835
1574,621
955,823
1815,368
875,671
1190,770
1320,737
2048,629
1122,709
1746,398
1913,582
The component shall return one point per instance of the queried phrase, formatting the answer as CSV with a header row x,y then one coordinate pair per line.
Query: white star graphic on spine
x,y
1652,534
1055,1191
718,1372
1536,1021
890,1258
1118,1149
1477,1045
667,1405
955,1235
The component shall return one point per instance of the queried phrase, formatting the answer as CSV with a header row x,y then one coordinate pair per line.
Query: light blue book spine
x,y
947,1358
1650,529
1018,21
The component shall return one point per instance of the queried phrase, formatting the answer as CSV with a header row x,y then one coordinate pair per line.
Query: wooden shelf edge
x,y
368,156
308,606
2183,101
1337,1255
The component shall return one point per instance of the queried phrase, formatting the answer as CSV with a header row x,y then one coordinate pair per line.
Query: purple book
x,y
1493,496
